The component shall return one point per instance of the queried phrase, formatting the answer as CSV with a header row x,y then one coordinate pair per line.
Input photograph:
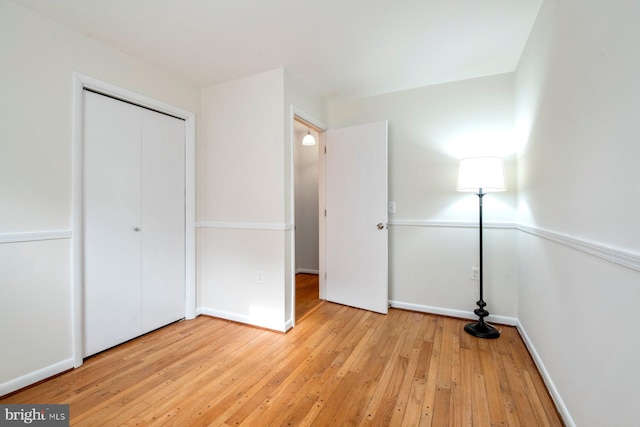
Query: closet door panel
x,y
111,215
162,220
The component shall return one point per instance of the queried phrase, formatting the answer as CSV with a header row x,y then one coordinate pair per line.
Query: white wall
x,y
433,234
241,204
577,115
306,193
245,203
38,61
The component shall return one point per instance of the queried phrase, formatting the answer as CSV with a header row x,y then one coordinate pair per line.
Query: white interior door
x,y
134,221
162,220
112,213
356,220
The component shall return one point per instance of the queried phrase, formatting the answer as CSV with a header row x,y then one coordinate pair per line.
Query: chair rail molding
x,y
618,256
623,257
34,236
245,225
450,224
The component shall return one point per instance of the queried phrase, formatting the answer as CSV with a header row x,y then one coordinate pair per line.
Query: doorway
x,y
307,216
80,83
352,226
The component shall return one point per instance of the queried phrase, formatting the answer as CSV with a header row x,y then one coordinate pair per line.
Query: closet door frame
x,y
80,82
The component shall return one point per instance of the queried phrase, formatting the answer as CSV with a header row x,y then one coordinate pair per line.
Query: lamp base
x,y
481,329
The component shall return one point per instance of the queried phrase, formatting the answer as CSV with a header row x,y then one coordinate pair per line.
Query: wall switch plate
x,y
392,207
475,273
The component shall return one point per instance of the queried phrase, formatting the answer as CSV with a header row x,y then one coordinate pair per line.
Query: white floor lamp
x,y
481,175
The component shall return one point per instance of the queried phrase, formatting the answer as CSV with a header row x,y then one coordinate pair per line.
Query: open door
x,y
356,217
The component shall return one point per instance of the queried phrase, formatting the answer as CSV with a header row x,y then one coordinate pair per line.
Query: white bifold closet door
x,y
134,221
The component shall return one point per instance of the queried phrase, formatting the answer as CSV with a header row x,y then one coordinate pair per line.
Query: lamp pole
x,y
481,174
481,329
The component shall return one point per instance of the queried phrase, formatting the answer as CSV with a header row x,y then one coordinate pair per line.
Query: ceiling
x,y
339,48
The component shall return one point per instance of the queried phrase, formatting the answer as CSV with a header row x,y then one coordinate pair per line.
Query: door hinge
x,y
325,150
325,212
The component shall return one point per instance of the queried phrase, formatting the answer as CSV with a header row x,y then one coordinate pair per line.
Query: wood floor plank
x,y
328,383
432,376
385,398
517,405
412,353
307,295
456,398
335,361
250,398
197,370
479,396
163,371
442,404
361,379
404,394
339,366
320,356
465,408
491,380
424,343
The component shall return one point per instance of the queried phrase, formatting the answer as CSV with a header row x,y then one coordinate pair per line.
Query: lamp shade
x,y
308,139
486,173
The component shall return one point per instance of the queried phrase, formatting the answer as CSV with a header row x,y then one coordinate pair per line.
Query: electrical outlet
x,y
259,276
475,273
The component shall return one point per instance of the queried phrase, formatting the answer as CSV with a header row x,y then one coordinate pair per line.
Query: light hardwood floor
x,y
307,294
340,366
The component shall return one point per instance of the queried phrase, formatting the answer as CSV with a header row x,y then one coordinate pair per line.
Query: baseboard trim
x,y
503,320
288,325
245,225
35,376
307,271
240,318
34,236
553,391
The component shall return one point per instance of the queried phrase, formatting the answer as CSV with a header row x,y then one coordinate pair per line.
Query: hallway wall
x,y
306,193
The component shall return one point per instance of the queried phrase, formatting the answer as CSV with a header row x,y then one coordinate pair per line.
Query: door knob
x,y
136,229
380,226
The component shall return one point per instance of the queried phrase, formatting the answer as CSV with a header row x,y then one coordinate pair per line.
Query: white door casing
x,y
356,219
80,83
